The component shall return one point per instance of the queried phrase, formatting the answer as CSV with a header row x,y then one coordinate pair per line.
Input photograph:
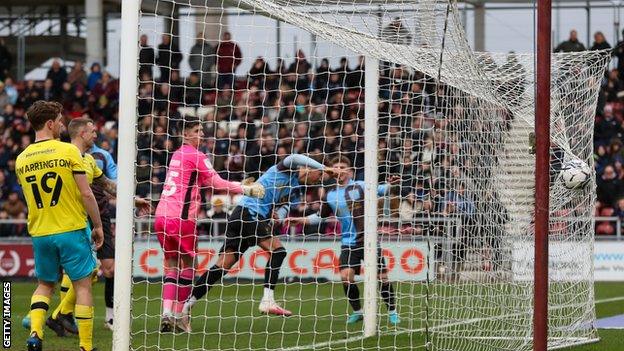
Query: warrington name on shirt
x,y
40,165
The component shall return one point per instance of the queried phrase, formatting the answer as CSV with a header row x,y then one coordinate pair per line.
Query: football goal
x,y
420,232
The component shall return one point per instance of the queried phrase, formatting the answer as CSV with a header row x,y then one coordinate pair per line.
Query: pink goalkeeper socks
x,y
169,291
185,286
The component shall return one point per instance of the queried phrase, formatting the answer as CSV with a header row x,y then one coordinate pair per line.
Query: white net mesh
x,y
456,231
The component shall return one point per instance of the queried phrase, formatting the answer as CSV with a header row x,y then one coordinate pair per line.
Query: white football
x,y
575,174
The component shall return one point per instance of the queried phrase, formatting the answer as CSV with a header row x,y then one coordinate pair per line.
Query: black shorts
x,y
108,247
352,257
244,230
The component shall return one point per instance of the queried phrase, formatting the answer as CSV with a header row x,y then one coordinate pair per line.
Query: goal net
x,y
453,166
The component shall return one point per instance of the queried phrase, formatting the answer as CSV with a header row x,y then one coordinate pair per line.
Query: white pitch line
x,y
612,299
405,330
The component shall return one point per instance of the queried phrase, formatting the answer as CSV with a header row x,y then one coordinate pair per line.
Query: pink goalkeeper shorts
x,y
176,236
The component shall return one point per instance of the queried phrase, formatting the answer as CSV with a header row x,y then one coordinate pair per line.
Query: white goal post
x,y
126,182
370,206
393,86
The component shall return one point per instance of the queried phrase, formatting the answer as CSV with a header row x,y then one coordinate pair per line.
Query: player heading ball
x,y
250,224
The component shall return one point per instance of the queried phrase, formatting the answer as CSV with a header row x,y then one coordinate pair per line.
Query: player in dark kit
x,y
106,254
250,224
346,201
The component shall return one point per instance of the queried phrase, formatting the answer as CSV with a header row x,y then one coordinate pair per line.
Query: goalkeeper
x,y
346,201
176,215
250,224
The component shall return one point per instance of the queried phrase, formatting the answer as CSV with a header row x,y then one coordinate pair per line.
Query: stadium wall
x,y
307,259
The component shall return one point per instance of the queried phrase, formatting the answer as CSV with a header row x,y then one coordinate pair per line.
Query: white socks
x,y
109,314
188,304
268,294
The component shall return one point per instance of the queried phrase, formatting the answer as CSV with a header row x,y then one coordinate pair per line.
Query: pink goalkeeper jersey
x,y
189,170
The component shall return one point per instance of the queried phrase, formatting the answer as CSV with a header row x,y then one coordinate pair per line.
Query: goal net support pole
x,y
125,183
371,76
542,179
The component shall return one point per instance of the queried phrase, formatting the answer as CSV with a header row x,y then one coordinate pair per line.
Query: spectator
x,y
218,213
616,151
67,93
259,72
5,60
13,205
107,86
601,159
4,97
267,151
619,53
619,210
608,127
396,33
48,93
77,76
146,58
355,79
418,100
235,163
80,97
94,76
600,42
177,88
300,66
605,227
321,81
193,90
343,69
11,90
613,87
280,67
572,44
464,205
58,75
229,57
169,57
6,229
31,93
202,59
4,187
609,187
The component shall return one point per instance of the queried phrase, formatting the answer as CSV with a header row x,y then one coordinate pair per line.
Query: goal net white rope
x,y
268,79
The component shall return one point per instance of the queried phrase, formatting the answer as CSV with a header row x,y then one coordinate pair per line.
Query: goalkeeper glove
x,y
253,189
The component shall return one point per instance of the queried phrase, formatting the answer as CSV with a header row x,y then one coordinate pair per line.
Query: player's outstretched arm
x,y
210,178
295,161
92,208
312,219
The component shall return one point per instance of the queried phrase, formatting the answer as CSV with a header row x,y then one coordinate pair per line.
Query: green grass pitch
x,y
320,311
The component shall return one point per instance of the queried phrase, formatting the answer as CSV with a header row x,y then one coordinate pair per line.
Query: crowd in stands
x,y
254,119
